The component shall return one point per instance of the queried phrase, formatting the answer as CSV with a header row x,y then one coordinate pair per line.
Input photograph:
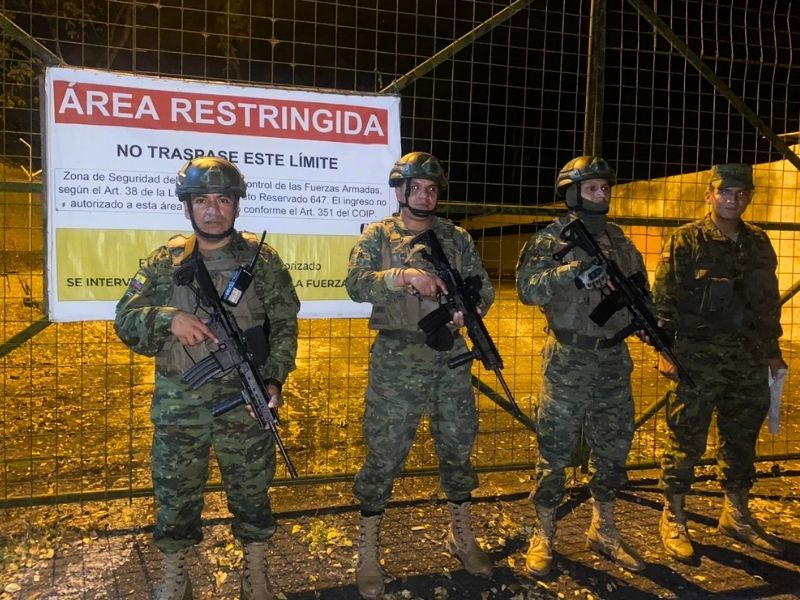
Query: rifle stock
x,y
629,292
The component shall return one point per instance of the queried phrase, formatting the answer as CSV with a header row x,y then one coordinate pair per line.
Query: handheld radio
x,y
241,278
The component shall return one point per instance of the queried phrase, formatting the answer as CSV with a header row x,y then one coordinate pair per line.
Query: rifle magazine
x,y
202,371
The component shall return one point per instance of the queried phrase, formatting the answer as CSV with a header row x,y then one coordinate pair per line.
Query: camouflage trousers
x,y
406,380
589,391
246,457
732,382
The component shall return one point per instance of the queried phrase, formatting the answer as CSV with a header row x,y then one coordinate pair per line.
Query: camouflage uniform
x,y
407,377
184,427
720,297
586,377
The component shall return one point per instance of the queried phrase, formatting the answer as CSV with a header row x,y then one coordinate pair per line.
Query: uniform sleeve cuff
x,y
162,325
275,382
391,277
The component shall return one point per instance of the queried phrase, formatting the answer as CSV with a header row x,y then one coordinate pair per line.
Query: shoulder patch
x,y
138,282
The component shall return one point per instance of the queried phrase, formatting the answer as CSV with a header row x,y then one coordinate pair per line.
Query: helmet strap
x,y
419,213
209,237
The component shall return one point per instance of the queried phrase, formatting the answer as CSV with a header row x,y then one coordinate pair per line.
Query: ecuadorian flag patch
x,y
138,281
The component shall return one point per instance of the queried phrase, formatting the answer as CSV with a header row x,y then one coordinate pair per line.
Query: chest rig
x,y
175,359
570,312
403,311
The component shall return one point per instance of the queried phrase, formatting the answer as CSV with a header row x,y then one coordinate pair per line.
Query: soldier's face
x,y
596,191
728,203
213,213
423,193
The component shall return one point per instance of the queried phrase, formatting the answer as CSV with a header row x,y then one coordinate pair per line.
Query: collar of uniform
x,y
234,247
745,231
405,231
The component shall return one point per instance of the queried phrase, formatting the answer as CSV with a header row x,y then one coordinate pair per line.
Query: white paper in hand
x,y
775,393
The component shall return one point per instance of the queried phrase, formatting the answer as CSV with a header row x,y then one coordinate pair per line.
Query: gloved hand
x,y
592,278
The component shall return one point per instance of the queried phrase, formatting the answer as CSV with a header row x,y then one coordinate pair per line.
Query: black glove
x,y
593,278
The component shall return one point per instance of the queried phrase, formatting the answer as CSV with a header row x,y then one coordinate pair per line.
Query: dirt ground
x,y
104,549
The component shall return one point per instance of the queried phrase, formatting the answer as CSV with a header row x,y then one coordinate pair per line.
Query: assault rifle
x,y
626,292
463,296
236,350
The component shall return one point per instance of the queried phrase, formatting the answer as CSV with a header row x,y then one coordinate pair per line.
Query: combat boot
x,y
175,583
539,558
369,574
461,541
672,527
255,584
604,538
737,522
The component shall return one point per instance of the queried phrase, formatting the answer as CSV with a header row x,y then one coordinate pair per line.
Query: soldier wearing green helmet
x,y
583,168
716,290
408,374
209,175
586,388
158,318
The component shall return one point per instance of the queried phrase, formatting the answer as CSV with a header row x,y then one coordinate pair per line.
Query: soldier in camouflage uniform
x,y
716,291
586,373
408,376
157,318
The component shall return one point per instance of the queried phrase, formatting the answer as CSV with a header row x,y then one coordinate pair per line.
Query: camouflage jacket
x,y
550,284
383,250
144,314
709,286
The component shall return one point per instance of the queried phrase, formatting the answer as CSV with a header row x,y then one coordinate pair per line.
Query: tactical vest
x,y
570,312
403,310
174,359
733,284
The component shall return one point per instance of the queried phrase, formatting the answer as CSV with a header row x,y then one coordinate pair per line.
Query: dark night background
x,y
504,113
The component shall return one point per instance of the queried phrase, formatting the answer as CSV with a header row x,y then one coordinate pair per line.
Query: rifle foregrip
x,y
226,405
461,359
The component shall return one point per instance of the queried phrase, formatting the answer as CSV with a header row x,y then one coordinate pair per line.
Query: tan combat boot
x,y
737,522
369,574
604,538
461,541
175,583
672,527
539,558
255,584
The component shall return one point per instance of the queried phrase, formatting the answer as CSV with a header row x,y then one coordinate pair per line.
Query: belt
x,y
585,342
410,337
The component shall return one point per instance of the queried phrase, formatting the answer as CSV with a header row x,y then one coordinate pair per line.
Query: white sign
x,y
316,165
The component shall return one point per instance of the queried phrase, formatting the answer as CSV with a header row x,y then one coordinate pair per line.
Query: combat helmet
x,y
580,169
209,175
418,165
